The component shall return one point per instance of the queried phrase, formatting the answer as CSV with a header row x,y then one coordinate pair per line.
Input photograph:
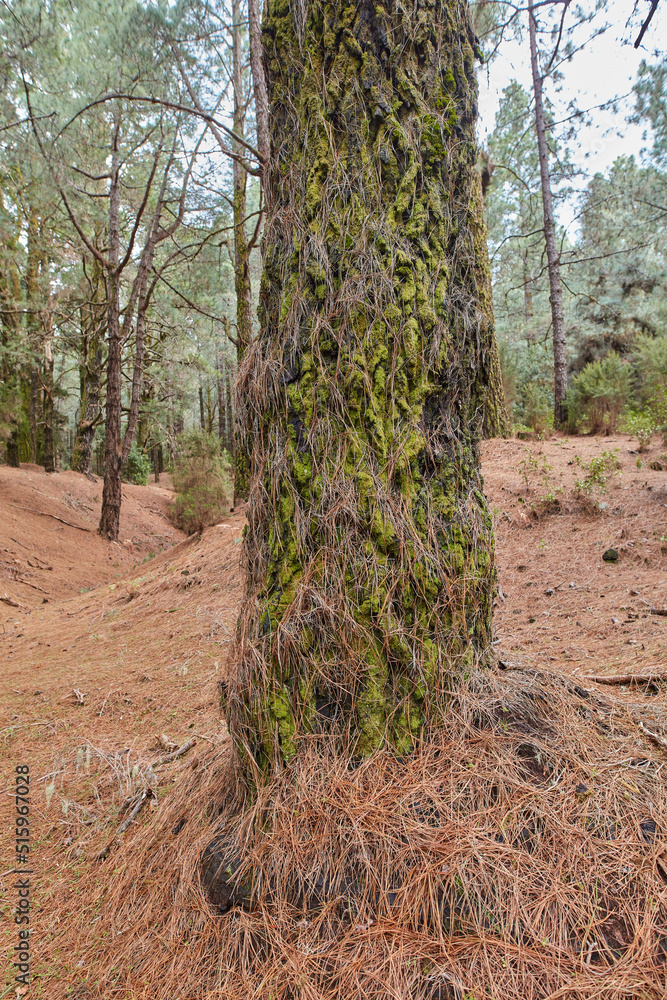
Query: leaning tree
x,y
369,542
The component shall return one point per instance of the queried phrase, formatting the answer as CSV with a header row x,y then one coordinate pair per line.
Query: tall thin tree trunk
x,y
229,413
241,251
553,257
48,409
220,378
202,417
369,544
112,492
259,80
496,417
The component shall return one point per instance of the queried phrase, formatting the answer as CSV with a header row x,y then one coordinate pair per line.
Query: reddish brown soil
x,y
41,557
89,679
598,618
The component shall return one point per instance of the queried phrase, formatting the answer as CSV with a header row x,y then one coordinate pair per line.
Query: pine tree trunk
x,y
241,251
496,417
229,413
553,257
112,493
48,410
202,417
369,543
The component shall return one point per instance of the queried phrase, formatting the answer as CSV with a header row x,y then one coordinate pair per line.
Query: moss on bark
x,y
369,543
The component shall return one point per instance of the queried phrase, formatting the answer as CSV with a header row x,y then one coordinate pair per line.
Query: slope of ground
x,y
49,546
98,687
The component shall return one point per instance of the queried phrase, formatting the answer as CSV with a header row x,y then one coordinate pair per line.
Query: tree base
x,y
517,854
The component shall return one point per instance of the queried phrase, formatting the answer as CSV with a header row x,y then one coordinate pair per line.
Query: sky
x,y
605,69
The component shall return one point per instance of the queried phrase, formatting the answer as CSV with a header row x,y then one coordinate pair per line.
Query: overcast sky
x,y
606,69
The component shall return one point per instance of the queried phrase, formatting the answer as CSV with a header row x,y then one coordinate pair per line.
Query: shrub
x,y
202,480
137,468
640,424
599,394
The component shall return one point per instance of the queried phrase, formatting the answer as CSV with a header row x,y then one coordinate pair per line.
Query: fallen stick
x,y
12,603
54,516
627,678
134,813
658,740
19,543
167,758
659,611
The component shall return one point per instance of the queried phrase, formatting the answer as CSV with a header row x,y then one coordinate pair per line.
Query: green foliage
x,y
619,272
599,394
641,424
598,471
137,468
202,480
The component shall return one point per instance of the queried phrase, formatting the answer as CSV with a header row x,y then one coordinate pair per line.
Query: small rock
x,y
549,592
616,621
656,466
610,555
572,586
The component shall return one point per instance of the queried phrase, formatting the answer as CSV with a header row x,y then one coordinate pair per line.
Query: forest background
x,y
131,213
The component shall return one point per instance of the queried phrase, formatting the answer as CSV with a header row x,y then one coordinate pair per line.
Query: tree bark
x,y
229,413
48,409
259,81
112,492
241,249
202,417
553,257
369,544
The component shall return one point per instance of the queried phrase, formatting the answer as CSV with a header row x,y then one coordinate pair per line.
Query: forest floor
x,y
111,654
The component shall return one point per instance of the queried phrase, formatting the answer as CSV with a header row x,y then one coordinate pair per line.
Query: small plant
x,y
640,424
531,465
137,468
202,480
598,471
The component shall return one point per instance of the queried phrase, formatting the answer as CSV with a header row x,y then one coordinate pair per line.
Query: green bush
x,y
202,480
599,394
137,468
